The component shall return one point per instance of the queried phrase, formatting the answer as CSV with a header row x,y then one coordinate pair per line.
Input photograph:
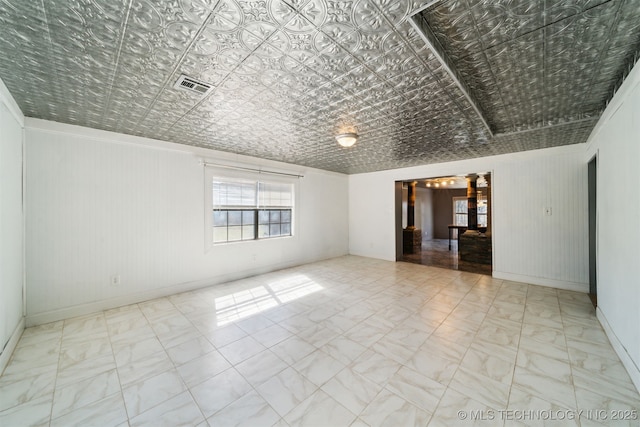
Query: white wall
x,y
616,140
528,245
11,225
101,204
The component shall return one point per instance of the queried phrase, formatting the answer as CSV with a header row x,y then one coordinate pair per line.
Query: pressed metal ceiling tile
x,y
288,75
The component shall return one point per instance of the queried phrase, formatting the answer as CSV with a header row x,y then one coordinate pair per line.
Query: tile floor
x,y
345,342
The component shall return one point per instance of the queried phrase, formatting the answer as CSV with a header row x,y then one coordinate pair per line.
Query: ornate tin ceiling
x,y
289,75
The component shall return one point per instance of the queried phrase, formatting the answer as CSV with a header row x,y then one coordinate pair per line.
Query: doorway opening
x,y
432,214
592,185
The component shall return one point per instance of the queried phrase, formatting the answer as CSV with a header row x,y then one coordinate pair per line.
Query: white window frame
x,y
482,198
210,173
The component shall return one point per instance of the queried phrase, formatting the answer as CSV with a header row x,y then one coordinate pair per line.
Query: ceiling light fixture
x,y
347,139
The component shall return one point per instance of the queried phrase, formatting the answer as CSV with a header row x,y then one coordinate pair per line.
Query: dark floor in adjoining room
x,y
436,253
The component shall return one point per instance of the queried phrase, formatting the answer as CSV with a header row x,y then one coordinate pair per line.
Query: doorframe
x,y
592,211
398,219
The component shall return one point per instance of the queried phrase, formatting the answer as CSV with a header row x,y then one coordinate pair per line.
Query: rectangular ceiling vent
x,y
192,85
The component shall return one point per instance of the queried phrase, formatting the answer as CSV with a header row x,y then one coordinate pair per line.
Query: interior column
x,y
472,202
411,206
411,236
487,179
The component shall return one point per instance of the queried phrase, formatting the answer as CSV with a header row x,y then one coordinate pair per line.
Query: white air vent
x,y
192,85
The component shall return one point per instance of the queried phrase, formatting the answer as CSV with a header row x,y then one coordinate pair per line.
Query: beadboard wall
x,y
11,225
616,143
528,245
101,205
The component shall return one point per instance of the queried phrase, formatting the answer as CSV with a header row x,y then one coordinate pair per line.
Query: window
x,y
460,216
460,211
250,210
482,210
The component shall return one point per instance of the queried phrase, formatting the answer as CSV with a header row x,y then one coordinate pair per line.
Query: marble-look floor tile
x,y
416,322
17,372
23,390
480,388
318,334
365,334
223,336
594,401
388,409
450,333
74,396
173,330
251,410
144,395
584,332
77,349
298,323
343,349
438,368
394,349
544,365
444,348
293,349
144,368
36,355
259,368
506,310
203,368
319,409
158,308
488,365
215,393
35,412
241,350
528,410
602,368
537,313
254,324
417,389
455,410
410,337
189,350
374,343
85,369
43,330
286,390
133,351
131,333
499,332
180,410
598,349
615,389
550,389
375,367
352,390
548,299
318,367
272,335
508,354
85,325
340,322
41,337
109,411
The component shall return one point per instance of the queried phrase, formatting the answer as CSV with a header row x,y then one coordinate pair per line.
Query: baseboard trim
x,y
627,361
541,281
5,356
107,304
